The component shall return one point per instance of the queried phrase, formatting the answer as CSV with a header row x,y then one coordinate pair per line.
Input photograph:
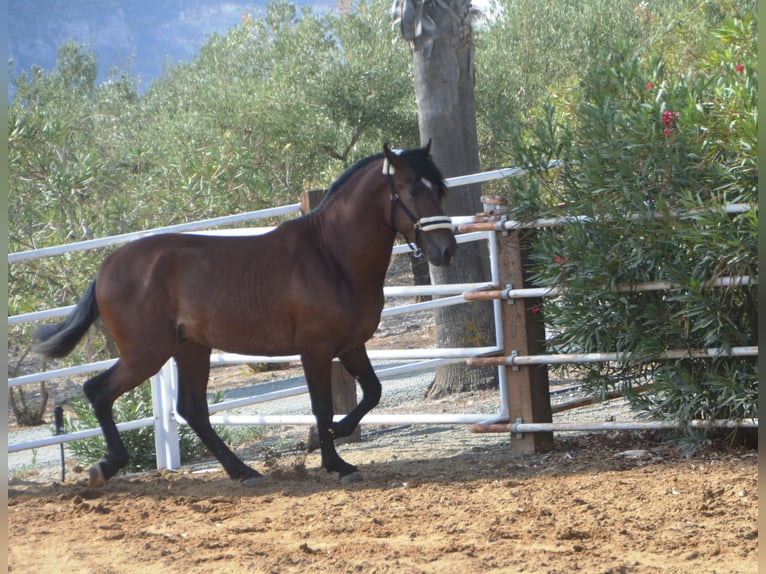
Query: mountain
x,y
137,36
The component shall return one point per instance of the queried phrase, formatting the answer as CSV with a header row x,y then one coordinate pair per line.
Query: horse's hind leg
x,y
193,362
102,390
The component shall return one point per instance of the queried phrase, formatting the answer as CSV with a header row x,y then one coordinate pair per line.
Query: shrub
x,y
651,158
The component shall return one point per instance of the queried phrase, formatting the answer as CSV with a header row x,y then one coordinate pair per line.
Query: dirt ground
x,y
598,503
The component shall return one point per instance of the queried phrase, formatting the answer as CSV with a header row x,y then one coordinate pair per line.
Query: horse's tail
x,y
58,340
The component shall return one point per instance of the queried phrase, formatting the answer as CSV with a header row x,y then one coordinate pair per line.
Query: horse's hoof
x,y
253,480
355,476
96,476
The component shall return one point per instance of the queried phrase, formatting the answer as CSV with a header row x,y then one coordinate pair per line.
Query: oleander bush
x,y
651,159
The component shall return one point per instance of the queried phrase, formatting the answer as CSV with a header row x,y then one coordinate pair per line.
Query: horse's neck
x,y
354,231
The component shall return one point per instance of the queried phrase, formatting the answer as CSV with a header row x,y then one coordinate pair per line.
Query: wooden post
x,y
343,384
311,199
528,390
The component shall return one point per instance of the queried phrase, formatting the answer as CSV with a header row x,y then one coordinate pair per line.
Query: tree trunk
x,y
421,274
443,57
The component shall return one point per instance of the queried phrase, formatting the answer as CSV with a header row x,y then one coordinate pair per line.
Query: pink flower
x,y
558,260
649,85
740,68
667,131
536,309
669,117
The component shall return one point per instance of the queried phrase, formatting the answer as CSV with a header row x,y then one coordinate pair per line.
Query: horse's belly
x,y
239,330
249,319
330,332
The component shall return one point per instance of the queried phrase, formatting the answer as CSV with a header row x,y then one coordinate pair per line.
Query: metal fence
x,y
164,384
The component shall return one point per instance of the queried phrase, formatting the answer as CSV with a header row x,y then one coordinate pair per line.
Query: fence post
x,y
527,389
166,443
343,384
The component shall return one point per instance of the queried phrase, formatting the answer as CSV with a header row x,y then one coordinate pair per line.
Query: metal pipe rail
x,y
470,223
57,373
522,427
488,294
370,419
79,435
127,237
233,219
561,358
501,173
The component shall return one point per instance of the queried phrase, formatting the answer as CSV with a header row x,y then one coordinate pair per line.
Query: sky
x,y
137,36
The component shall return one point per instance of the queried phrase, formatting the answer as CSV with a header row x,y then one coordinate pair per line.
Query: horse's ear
x,y
427,147
392,160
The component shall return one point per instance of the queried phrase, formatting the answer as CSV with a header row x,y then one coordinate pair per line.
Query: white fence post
x,y
166,443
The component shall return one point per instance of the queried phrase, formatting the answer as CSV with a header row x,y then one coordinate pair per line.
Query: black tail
x,y
58,340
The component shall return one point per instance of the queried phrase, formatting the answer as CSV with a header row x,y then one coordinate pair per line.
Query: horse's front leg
x,y
358,364
317,369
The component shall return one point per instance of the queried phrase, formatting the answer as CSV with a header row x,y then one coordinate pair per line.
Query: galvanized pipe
x,y
489,294
628,426
127,237
474,224
561,358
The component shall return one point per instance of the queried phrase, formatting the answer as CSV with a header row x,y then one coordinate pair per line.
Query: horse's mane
x,y
338,183
419,159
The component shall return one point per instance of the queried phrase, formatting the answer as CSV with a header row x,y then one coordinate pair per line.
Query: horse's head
x,y
417,191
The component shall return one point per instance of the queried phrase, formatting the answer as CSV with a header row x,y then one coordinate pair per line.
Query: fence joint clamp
x,y
512,359
519,435
506,293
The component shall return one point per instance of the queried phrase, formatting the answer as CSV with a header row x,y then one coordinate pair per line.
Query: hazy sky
x,y
133,35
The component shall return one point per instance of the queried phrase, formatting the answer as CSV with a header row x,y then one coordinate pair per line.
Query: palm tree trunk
x,y
444,90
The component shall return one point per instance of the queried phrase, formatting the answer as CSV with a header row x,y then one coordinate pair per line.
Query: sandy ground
x,y
439,500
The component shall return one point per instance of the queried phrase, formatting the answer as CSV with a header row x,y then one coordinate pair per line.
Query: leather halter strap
x,y
423,224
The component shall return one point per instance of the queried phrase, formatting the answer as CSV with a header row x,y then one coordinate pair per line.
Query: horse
x,y
311,287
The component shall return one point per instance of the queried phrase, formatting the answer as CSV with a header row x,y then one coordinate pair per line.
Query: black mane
x,y
419,160
350,171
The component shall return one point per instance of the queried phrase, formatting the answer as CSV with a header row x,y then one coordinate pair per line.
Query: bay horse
x,y
312,287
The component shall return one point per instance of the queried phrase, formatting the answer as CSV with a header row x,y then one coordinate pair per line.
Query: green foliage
x,y
531,54
133,405
651,160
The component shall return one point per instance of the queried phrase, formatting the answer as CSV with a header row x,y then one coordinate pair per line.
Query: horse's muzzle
x,y
440,248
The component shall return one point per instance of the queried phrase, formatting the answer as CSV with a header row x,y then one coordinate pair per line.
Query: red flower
x,y
536,309
649,85
740,68
667,131
669,117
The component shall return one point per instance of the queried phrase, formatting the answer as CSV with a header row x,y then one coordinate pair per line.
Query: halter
x,y
423,224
